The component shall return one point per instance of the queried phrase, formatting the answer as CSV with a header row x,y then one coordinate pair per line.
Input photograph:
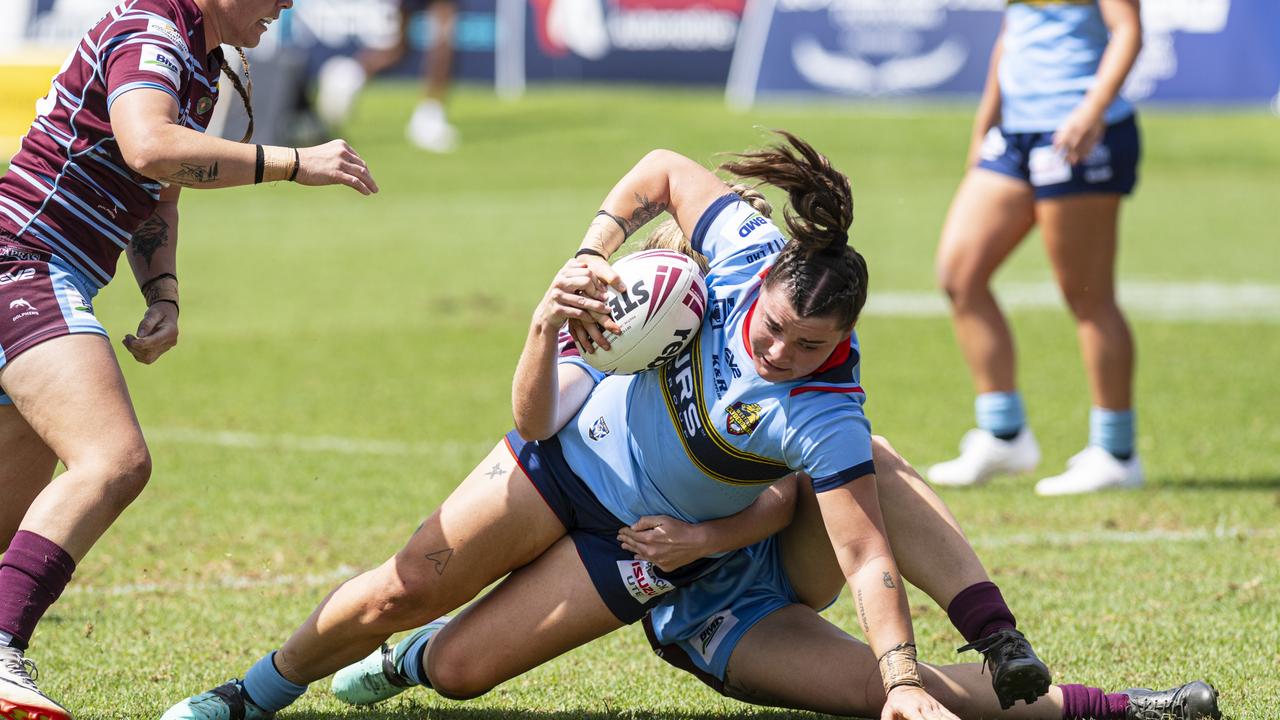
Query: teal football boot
x,y
378,677
225,702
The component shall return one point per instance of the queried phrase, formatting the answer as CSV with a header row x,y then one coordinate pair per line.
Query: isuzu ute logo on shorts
x,y
641,581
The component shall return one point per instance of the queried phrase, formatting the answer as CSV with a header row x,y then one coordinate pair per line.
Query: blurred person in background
x,y
341,78
1053,146
119,134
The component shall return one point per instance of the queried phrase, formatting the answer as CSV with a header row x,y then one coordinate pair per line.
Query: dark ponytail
x,y
246,93
820,272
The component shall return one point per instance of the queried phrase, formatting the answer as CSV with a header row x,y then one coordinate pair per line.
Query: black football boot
x,y
1196,700
1016,672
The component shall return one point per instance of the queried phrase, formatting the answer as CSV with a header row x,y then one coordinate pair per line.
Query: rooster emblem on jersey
x,y
743,418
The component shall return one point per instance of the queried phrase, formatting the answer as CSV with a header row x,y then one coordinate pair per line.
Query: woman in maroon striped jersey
x,y
119,134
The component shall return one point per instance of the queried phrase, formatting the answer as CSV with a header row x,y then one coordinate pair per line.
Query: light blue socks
x,y
267,688
1000,413
1113,431
411,660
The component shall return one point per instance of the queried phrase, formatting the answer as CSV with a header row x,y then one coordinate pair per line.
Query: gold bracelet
x,y
898,667
278,163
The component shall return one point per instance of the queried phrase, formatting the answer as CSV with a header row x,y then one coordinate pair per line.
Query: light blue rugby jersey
x,y
703,436
1050,56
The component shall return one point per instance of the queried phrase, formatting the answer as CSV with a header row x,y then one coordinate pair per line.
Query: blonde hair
x,y
668,236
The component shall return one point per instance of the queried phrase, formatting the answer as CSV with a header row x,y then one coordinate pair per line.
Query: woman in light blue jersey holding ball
x,y
1054,146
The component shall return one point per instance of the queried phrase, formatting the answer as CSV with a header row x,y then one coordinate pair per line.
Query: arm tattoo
x,y
888,580
862,614
192,174
496,471
441,559
150,236
647,211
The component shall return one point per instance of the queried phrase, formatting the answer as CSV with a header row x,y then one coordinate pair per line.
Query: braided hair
x,y
245,90
820,272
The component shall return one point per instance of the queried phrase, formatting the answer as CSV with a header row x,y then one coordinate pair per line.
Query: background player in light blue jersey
x,y
533,507
1054,146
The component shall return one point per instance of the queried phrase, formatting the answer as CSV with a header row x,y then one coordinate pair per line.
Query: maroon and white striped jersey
x,y
68,190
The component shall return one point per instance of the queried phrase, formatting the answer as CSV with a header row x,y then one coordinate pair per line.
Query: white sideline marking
x,y
342,572
315,443
227,582
1195,302
1139,537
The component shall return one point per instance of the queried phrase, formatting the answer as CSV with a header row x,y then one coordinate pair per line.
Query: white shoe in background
x,y
983,456
429,130
338,83
1091,470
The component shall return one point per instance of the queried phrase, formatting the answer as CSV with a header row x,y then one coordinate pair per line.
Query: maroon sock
x,y
1080,702
33,574
979,610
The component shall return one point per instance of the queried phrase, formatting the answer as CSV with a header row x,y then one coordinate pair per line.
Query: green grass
x,y
317,312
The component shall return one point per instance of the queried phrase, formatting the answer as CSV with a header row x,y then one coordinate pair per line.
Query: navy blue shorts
x,y
1111,167
625,584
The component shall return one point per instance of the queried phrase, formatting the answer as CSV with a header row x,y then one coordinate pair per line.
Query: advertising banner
x,y
664,41
1203,51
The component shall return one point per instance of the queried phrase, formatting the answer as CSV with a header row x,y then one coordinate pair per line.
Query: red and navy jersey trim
x,y
708,217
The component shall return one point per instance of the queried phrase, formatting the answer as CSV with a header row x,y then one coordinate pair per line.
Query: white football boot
x,y
1091,470
984,456
429,130
338,83
20,699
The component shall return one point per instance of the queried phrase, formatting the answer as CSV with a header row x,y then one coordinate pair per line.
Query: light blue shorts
x,y
696,628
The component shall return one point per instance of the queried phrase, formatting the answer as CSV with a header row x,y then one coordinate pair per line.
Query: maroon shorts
x,y
41,297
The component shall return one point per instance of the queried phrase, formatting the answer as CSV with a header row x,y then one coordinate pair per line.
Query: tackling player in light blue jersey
x,y
1055,146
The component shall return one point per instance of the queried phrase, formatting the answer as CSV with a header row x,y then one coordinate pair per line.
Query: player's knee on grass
x,y
458,670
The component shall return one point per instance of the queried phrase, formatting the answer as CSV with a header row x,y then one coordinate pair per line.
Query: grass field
x,y
346,360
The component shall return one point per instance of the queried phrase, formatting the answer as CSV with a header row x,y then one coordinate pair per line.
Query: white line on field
x,y
1197,302
226,582
1140,537
342,572
313,443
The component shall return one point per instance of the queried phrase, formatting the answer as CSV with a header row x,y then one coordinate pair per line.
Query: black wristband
x,y
616,219
157,278
259,165
172,302
297,161
590,251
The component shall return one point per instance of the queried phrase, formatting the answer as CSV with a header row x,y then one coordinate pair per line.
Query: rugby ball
x,y
659,314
